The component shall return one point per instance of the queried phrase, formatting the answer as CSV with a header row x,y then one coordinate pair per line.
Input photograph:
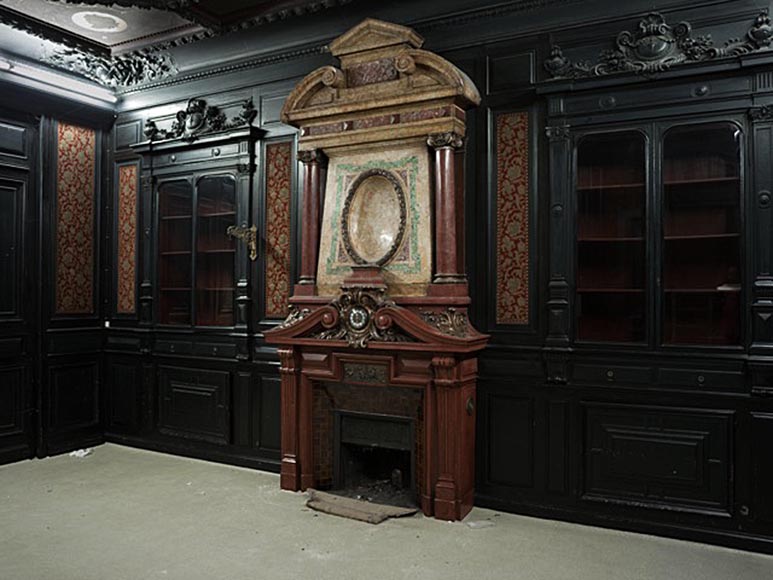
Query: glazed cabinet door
x,y
701,235
611,251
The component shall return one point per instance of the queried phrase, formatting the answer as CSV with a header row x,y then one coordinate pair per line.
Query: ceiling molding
x,y
184,8
117,71
45,31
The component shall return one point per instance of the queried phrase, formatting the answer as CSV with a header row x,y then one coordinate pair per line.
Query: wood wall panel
x,y
123,386
762,468
75,219
12,192
673,458
195,404
510,454
12,402
73,397
269,413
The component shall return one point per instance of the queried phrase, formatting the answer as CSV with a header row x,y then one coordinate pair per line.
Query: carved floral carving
x,y
450,321
199,118
656,46
118,71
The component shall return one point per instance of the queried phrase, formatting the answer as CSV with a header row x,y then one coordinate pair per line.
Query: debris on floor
x,y
363,511
81,453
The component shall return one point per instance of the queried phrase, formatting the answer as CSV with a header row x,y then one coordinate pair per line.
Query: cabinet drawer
x,y
174,346
223,350
616,374
703,379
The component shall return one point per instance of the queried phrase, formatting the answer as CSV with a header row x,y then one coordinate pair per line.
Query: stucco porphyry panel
x,y
410,270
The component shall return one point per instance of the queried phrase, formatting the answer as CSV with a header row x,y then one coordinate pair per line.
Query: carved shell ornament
x,y
656,46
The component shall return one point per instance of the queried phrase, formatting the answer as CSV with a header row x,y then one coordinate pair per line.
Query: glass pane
x,y
701,234
611,207
174,260
215,251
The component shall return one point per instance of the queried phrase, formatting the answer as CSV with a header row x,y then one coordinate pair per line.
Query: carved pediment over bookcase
x,y
656,46
382,277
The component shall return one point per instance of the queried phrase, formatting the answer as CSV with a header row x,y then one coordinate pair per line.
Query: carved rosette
x,y
656,46
358,316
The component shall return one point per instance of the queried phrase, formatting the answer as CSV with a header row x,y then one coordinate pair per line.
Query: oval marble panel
x,y
375,217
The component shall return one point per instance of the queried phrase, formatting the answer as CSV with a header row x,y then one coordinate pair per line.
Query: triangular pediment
x,y
372,34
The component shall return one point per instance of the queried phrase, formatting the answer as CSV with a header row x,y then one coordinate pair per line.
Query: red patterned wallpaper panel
x,y
278,211
75,191
512,203
127,239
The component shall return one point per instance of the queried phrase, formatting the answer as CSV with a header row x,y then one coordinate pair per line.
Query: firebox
x,y
374,457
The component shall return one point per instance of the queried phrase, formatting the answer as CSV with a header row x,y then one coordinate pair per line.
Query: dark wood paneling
x,y
662,457
12,193
195,404
73,398
12,402
123,392
510,455
762,469
510,71
557,447
13,139
127,134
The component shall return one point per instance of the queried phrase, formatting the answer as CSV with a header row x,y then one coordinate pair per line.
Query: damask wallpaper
x,y
75,203
278,211
512,209
127,239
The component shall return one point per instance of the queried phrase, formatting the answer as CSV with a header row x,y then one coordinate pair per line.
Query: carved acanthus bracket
x,y
450,322
656,46
361,315
117,71
198,118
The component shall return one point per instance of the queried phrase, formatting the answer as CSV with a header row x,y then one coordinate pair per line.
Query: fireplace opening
x,y
374,458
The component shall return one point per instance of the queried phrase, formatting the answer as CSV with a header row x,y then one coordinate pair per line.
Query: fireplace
x,y
378,357
374,458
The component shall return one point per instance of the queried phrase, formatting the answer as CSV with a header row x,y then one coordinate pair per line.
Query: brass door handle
x,y
248,235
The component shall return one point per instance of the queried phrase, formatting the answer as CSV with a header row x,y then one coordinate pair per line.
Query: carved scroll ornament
x,y
198,118
358,316
656,46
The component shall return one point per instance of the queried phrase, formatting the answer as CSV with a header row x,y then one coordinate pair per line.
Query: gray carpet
x,y
128,514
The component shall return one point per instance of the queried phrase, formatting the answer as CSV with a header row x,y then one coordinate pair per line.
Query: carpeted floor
x,y
126,514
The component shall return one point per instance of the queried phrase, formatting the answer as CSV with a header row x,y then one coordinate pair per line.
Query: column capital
x,y
312,156
442,140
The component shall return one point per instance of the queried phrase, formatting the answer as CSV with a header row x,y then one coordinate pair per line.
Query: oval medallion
x,y
374,215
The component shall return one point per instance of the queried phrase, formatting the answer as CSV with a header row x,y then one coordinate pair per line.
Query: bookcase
x,y
658,234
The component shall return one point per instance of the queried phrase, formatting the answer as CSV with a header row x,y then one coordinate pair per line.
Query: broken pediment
x,y
386,87
364,318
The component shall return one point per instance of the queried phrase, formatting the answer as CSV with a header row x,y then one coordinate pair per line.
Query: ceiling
x,y
126,42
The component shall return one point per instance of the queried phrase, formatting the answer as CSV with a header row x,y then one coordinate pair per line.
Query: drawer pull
x,y
610,375
701,379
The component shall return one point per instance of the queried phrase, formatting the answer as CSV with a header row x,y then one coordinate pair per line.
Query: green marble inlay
x,y
412,165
